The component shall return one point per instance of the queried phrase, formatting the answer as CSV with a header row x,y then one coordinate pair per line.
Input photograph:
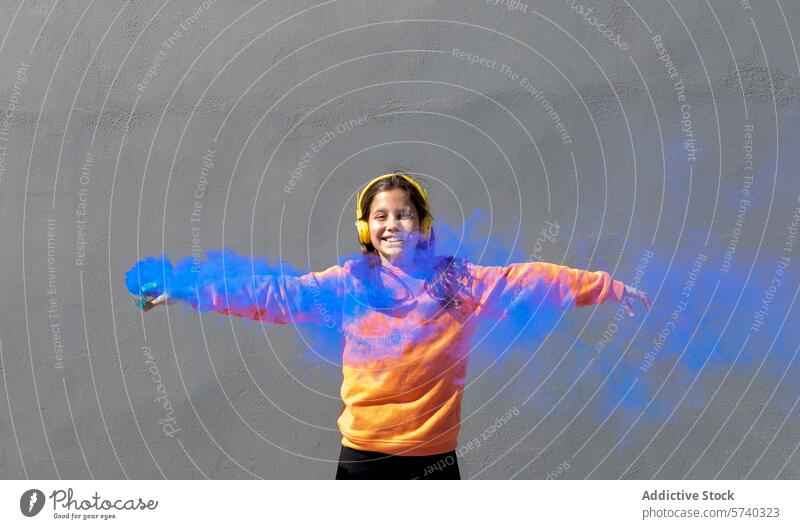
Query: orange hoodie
x,y
404,369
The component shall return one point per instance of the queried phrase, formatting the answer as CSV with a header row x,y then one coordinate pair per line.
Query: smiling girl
x,y
407,316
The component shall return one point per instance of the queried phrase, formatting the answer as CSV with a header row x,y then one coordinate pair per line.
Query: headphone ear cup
x,y
425,228
362,226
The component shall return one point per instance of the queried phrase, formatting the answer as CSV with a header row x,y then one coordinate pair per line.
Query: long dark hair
x,y
446,276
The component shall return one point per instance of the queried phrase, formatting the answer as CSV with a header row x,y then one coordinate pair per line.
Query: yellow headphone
x,y
362,226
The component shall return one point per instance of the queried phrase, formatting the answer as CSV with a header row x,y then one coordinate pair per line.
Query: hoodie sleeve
x,y
536,285
311,298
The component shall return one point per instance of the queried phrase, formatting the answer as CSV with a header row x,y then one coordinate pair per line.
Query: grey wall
x,y
112,132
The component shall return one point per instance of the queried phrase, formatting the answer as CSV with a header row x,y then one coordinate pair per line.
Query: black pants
x,y
360,464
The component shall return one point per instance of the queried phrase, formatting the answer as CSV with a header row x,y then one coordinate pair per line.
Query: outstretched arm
x,y
232,284
500,289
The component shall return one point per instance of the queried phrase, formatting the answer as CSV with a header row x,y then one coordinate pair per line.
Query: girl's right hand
x,y
150,298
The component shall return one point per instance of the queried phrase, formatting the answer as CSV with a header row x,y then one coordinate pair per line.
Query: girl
x,y
407,317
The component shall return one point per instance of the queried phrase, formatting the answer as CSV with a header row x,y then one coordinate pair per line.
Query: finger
x,y
647,302
632,291
145,303
160,299
628,308
641,296
141,302
148,287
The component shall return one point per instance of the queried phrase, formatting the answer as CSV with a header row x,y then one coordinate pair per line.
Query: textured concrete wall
x,y
661,137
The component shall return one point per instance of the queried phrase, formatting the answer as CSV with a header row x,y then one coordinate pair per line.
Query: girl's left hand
x,y
632,294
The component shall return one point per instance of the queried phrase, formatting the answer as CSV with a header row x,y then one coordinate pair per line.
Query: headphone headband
x,y
410,180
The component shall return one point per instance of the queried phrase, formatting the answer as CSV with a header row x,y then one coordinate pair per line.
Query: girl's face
x,y
393,225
